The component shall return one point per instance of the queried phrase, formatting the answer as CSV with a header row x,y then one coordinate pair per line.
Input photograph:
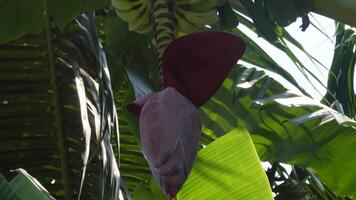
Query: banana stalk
x,y
163,27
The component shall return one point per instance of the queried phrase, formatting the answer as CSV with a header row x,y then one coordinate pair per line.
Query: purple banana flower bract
x,y
194,66
169,143
198,63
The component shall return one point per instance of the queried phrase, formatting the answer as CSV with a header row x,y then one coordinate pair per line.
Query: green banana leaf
x,y
286,127
21,17
131,62
150,191
283,12
23,187
228,168
6,191
57,112
341,74
28,187
134,169
142,192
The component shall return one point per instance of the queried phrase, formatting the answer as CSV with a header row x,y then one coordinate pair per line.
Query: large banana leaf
x,y
286,127
228,168
21,17
57,112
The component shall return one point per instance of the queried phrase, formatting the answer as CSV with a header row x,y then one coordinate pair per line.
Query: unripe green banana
x,y
199,18
133,14
142,24
193,15
190,15
125,5
184,25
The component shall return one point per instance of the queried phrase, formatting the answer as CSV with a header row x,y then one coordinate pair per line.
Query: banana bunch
x,y
193,15
137,13
190,15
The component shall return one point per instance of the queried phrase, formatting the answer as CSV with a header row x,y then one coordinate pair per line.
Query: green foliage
x,y
283,12
341,74
228,19
265,26
150,191
286,127
299,183
132,78
222,169
257,56
21,17
127,48
64,11
141,192
6,191
54,143
133,165
23,187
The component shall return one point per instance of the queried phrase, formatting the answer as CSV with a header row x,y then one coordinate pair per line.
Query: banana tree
x,y
56,84
268,25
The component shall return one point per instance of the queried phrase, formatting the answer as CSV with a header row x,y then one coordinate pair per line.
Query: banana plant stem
x,y
163,27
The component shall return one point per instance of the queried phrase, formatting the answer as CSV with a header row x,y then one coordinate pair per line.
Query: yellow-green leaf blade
x,y
228,168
